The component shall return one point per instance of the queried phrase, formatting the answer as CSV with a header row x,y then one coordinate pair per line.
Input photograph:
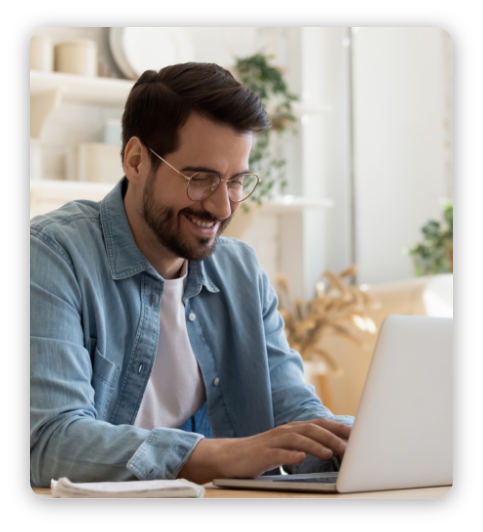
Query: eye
x,y
198,178
236,182
204,180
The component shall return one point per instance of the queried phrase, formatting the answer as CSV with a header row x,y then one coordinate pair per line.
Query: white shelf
x,y
53,190
307,108
289,204
95,90
64,191
109,91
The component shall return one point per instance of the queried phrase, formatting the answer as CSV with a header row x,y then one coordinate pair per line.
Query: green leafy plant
x,y
435,253
267,82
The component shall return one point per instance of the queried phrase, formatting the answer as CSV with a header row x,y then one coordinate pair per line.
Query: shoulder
x,y
69,215
74,222
237,254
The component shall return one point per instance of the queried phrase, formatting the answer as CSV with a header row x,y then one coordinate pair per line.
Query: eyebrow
x,y
211,171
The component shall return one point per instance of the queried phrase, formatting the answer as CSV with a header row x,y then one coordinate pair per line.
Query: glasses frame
x,y
188,179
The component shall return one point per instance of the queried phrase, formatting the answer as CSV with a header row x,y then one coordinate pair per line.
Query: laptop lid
x,y
403,433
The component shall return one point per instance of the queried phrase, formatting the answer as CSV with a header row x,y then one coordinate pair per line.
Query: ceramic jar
x,y
77,57
94,162
41,54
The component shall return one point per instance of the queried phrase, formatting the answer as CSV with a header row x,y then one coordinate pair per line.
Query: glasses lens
x,y
202,185
240,187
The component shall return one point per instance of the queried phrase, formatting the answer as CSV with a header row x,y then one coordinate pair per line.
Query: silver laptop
x,y
403,433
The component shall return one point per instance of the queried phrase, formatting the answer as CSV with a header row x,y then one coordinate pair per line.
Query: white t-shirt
x,y
175,390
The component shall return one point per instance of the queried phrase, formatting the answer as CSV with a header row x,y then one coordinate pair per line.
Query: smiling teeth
x,y
202,224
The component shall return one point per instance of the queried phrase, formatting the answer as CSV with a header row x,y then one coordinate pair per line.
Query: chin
x,y
201,250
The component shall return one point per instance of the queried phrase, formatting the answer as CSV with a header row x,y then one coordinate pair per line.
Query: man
x,y
156,347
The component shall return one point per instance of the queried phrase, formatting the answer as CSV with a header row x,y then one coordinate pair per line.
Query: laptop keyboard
x,y
319,480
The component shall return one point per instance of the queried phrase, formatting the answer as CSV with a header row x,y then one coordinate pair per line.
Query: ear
x,y
136,161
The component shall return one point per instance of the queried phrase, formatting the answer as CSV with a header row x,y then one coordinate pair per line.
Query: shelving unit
x,y
48,89
53,87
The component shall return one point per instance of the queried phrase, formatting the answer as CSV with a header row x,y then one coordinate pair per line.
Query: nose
x,y
219,204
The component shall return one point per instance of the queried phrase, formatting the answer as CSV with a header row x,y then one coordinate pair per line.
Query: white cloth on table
x,y
64,488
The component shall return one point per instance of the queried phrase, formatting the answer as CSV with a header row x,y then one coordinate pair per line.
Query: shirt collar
x,y
197,278
125,258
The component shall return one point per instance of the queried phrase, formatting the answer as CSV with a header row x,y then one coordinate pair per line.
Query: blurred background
x,y
357,169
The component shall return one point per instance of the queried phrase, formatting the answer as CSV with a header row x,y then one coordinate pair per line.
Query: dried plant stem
x,y
337,309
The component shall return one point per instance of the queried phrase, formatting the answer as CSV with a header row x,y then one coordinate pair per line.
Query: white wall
x,y
402,116
334,145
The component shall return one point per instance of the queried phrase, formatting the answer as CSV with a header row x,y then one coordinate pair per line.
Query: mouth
x,y
200,223
202,227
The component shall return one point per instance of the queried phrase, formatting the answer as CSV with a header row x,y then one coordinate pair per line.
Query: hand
x,y
252,456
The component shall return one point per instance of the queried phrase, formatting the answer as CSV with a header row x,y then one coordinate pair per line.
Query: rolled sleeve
x,y
163,454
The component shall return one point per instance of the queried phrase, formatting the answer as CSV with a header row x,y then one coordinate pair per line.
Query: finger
x,y
299,442
320,435
339,429
284,456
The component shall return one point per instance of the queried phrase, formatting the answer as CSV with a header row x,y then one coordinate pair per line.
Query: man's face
x,y
186,228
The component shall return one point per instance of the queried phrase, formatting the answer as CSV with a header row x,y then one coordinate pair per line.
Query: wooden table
x,y
212,492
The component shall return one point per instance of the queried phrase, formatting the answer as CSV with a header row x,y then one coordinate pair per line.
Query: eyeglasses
x,y
202,185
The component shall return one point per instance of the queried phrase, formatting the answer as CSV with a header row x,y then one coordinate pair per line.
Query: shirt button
x,y
216,381
192,316
140,368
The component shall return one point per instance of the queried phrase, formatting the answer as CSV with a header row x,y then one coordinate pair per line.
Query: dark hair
x,y
161,102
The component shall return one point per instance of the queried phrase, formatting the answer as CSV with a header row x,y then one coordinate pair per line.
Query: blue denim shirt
x,y
94,318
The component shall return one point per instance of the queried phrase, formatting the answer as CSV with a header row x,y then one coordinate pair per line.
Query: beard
x,y
166,226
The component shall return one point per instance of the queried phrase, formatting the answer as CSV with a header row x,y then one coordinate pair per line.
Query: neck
x,y
163,261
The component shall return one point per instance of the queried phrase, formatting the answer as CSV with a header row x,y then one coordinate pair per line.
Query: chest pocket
x,y
104,378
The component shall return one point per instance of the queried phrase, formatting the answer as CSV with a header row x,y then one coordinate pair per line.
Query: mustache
x,y
203,216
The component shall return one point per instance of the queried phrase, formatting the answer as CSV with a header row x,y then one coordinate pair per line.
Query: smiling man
x,y
157,350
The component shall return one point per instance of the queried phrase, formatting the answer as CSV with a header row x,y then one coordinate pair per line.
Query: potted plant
x,y
267,82
435,253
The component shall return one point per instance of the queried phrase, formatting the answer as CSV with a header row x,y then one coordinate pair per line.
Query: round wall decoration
x,y
136,50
